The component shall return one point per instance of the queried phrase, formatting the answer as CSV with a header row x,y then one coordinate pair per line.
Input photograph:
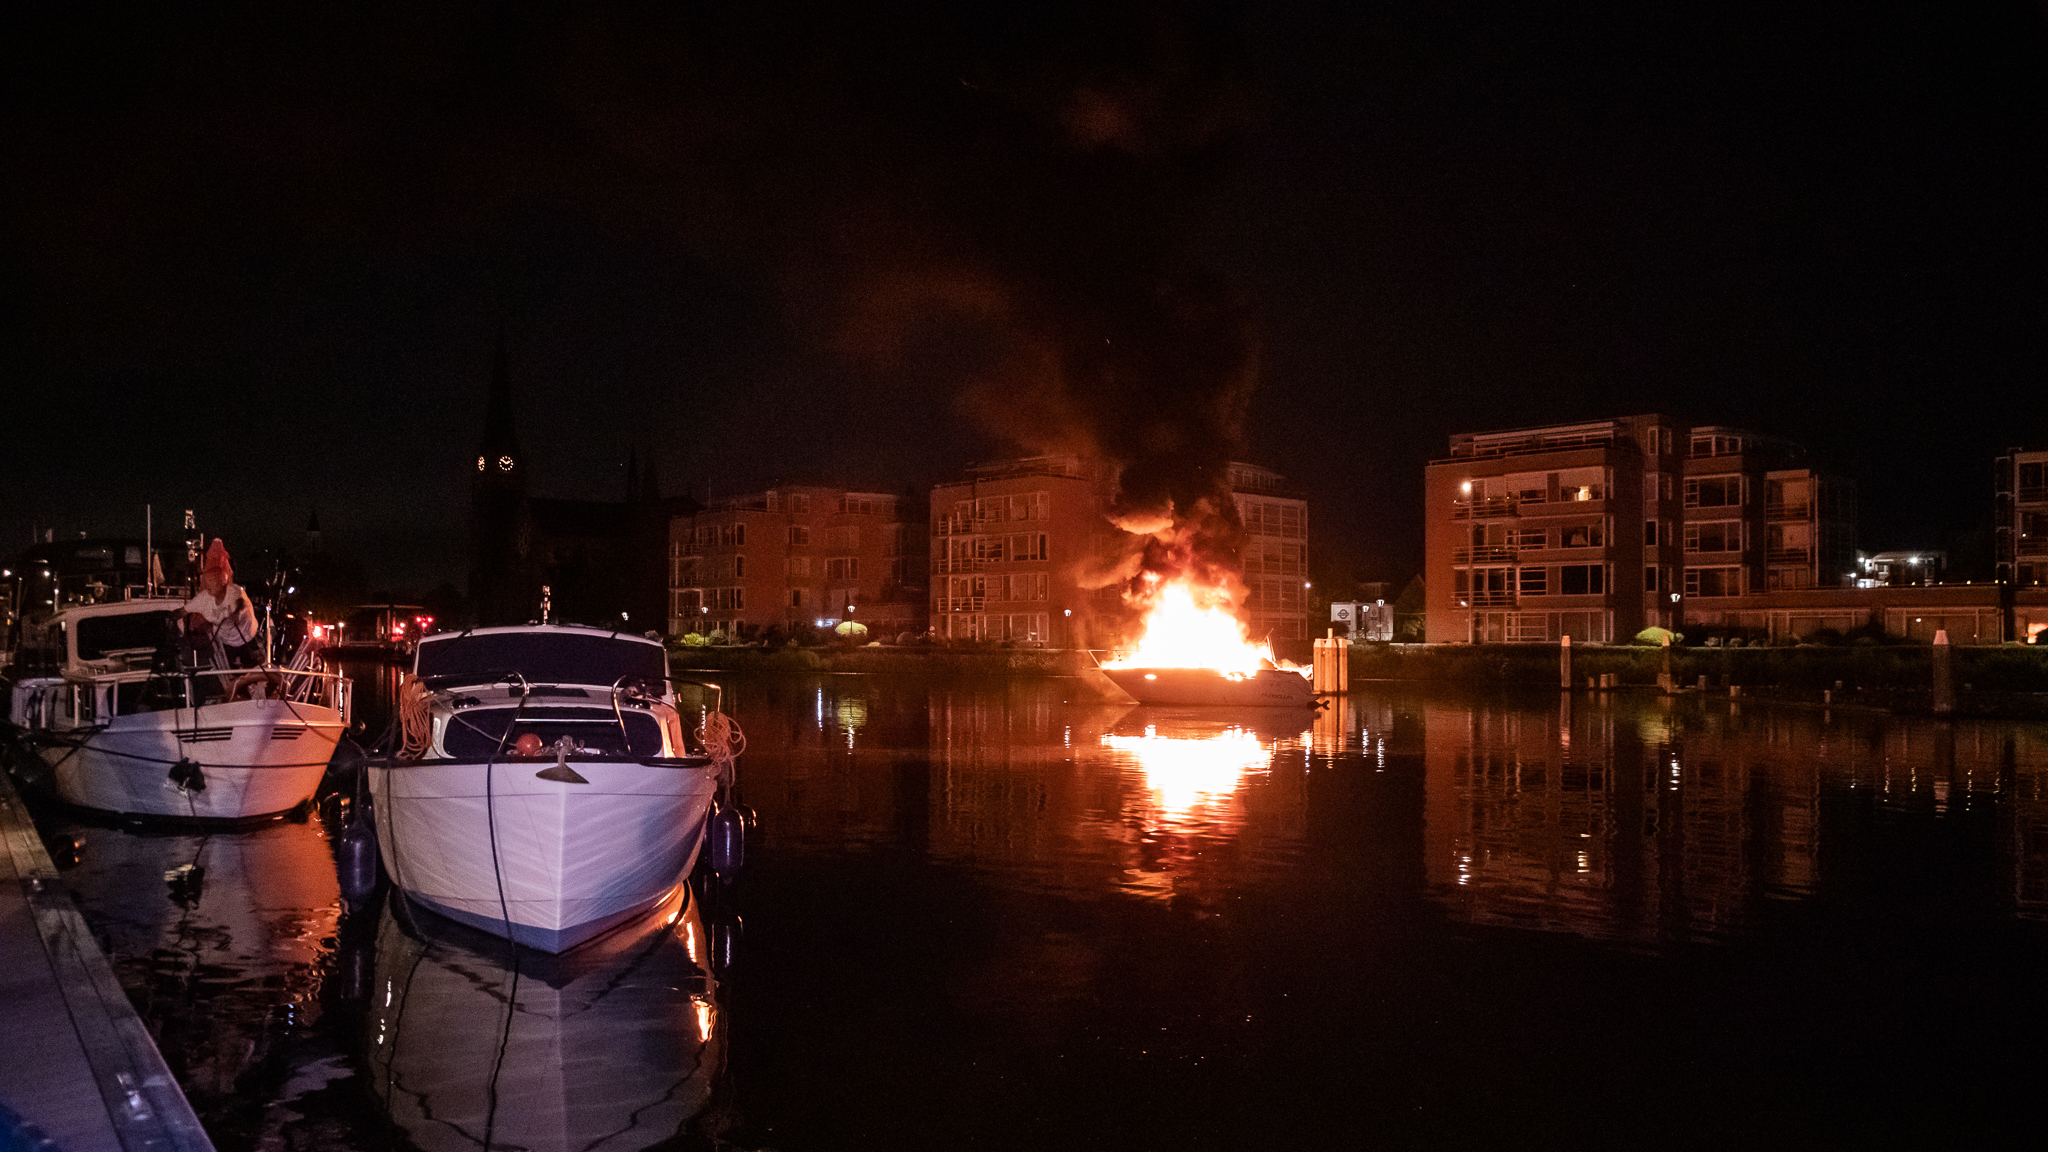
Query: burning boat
x,y
1194,651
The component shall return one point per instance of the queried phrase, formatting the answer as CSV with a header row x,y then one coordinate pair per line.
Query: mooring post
x,y
1564,663
1944,674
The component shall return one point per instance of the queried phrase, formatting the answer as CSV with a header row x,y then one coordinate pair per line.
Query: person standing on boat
x,y
221,612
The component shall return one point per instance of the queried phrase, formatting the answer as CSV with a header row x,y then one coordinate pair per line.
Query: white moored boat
x,y
547,790
123,727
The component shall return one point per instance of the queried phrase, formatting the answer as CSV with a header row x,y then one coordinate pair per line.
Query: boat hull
x,y
1272,688
574,859
258,758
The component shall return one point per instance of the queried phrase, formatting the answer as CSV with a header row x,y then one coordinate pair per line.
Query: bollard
x,y
1564,663
1944,674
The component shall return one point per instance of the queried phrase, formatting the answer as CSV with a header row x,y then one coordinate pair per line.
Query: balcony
x,y
960,603
1782,511
1789,556
942,566
1483,508
1490,553
1487,599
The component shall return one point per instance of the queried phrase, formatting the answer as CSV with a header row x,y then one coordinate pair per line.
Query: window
x,y
1649,533
799,535
842,568
1713,492
1713,581
796,597
845,538
733,534
1581,536
1714,536
1534,581
1650,581
1022,586
1029,506
1529,538
799,502
739,567
1582,579
799,565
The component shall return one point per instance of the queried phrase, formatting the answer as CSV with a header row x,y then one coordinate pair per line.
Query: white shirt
x,y
232,616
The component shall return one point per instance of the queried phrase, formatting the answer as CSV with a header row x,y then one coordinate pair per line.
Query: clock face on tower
x,y
504,463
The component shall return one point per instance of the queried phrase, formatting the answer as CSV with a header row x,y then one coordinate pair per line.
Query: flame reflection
x,y
1187,773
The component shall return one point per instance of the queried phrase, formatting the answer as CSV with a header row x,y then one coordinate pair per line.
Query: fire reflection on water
x,y
1187,775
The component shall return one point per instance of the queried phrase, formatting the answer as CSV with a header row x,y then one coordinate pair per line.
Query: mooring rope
x,y
723,742
415,717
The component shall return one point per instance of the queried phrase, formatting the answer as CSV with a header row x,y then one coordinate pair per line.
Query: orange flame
x,y
1187,627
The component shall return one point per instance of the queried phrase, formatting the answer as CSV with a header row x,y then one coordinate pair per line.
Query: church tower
x,y
497,499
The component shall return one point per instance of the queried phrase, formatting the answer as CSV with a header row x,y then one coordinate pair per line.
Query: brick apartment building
x,y
799,555
1008,543
2021,495
1598,530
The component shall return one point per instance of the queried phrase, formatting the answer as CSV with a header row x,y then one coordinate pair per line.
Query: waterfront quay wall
x,y
2006,679
1990,679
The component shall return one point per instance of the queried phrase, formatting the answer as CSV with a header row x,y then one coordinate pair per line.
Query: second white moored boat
x,y
549,788
123,729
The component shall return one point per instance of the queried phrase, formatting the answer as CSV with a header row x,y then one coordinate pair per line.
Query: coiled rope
x,y
723,742
415,717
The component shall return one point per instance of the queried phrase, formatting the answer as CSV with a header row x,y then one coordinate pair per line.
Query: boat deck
x,y
78,1064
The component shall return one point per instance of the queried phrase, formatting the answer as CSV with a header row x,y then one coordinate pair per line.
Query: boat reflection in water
x,y
471,1044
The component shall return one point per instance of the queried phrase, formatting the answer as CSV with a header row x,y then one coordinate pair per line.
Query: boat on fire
x,y
122,724
549,787
1209,687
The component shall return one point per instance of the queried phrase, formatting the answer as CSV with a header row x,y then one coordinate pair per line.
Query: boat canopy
x,y
553,656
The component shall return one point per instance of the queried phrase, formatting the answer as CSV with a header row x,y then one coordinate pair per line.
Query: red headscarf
x,y
217,560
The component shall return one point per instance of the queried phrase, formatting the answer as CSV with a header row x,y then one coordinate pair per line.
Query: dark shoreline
x,y
2002,682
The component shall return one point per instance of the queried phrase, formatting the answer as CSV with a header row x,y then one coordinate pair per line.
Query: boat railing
x,y
89,699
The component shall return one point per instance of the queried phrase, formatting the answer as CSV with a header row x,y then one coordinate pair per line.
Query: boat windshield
x,y
540,657
124,632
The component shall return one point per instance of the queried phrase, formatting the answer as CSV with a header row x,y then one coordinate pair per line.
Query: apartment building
x,y
2021,496
1009,542
1275,521
796,556
1600,529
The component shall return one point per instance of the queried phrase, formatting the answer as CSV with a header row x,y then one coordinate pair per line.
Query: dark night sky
x,y
256,262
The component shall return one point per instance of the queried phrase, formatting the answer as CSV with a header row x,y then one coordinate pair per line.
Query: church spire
x,y
498,458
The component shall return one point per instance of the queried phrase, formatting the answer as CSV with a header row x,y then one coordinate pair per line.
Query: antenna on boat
x,y
148,550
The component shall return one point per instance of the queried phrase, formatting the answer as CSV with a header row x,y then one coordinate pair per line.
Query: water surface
x,y
1017,916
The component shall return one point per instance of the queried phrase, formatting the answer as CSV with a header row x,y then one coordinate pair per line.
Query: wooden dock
x,y
77,1066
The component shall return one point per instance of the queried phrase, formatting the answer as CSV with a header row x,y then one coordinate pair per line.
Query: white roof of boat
x,y
543,630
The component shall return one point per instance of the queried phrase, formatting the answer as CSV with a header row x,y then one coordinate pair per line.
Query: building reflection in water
x,y
616,1044
1653,820
1630,817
